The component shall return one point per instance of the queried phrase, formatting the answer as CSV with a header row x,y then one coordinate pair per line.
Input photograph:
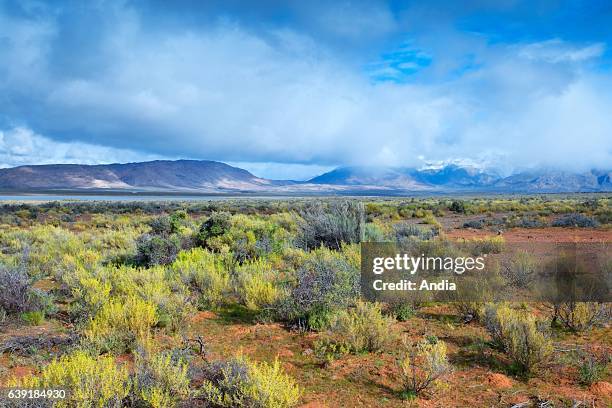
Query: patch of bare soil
x,y
496,380
549,234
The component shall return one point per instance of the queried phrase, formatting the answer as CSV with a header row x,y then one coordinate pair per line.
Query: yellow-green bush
x,y
487,245
161,380
240,383
520,336
579,316
90,382
423,365
205,272
362,328
255,285
120,323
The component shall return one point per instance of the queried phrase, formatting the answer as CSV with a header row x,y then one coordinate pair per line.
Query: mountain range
x,y
203,176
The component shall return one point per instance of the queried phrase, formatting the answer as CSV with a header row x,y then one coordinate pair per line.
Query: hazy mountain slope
x,y
457,178
215,177
154,175
556,181
390,177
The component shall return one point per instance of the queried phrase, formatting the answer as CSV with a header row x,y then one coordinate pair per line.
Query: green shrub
x,y
457,206
331,225
92,382
423,365
205,273
255,285
34,318
403,311
487,245
360,329
580,316
240,383
519,335
216,225
120,324
157,249
521,270
592,366
327,280
161,380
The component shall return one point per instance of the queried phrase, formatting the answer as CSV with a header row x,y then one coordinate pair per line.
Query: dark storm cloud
x,y
305,83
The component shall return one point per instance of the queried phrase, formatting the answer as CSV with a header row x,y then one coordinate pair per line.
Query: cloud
x,y
556,50
21,146
332,88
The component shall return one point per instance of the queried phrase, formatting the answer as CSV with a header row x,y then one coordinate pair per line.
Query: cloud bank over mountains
x,y
287,87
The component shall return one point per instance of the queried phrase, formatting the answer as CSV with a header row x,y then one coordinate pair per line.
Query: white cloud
x,y
21,146
224,92
556,50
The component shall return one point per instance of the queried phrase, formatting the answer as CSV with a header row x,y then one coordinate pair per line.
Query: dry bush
x,y
580,316
519,335
331,225
359,329
521,270
240,383
423,366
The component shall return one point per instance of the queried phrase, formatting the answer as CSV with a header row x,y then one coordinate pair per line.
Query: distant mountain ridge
x,y
453,177
205,176
158,175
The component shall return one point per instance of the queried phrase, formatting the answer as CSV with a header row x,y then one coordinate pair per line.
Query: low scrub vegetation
x,y
139,304
520,336
242,383
362,328
423,366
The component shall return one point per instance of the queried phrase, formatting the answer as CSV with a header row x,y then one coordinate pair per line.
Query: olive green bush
x,y
362,328
241,383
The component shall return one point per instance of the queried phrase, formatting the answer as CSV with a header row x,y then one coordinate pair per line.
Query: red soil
x,y
538,234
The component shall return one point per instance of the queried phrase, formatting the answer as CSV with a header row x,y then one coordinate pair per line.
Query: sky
x,y
290,89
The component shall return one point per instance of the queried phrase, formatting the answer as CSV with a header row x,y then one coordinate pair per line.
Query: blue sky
x,y
291,89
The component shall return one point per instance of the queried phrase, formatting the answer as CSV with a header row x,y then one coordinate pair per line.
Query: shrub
x,y
161,225
241,383
575,220
521,270
331,225
423,365
327,280
520,336
359,329
476,224
92,382
403,311
216,225
16,292
469,311
161,380
487,245
373,233
457,207
579,316
255,285
405,230
121,323
592,366
205,272
90,294
157,249
34,318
